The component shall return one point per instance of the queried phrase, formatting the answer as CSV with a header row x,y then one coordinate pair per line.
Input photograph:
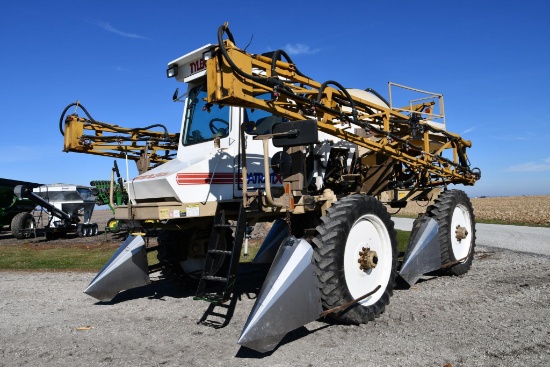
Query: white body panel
x,y
205,172
202,172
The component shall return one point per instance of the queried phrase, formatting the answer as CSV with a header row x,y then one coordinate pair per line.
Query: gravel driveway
x,y
496,315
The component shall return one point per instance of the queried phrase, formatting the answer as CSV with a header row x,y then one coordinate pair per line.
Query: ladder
x,y
212,287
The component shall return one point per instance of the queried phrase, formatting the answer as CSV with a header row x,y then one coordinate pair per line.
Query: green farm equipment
x,y
113,194
15,212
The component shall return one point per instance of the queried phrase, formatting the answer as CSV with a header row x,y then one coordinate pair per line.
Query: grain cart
x,y
261,141
16,212
112,193
63,204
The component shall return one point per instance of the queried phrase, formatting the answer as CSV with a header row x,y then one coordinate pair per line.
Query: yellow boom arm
x,y
405,135
147,148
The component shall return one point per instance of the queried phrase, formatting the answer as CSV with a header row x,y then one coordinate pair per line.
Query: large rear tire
x,y
454,213
21,225
355,251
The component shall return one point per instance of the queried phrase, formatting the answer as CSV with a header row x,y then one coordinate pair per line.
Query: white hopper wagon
x,y
64,204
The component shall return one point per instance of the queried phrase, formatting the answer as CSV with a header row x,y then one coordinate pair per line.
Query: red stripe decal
x,y
206,178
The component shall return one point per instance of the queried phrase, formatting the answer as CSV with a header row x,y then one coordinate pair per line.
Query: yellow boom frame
x,y
295,97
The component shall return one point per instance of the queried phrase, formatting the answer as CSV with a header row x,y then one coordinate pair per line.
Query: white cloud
x,y
531,166
511,137
468,130
299,49
523,136
110,28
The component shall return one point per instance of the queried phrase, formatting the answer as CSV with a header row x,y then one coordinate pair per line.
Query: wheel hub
x,y
461,232
367,259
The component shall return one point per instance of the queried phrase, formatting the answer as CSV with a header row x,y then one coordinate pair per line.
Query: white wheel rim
x,y
368,232
461,217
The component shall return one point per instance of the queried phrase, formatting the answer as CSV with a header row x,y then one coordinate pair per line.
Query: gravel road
x,y
496,315
534,240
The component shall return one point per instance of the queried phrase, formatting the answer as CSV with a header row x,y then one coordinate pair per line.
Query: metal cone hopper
x,y
127,268
289,298
423,253
272,242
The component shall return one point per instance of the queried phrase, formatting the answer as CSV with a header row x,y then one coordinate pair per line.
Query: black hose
x,y
77,104
266,81
113,127
275,58
402,184
343,90
279,85
378,95
276,83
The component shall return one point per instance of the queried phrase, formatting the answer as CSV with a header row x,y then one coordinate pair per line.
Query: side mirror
x,y
295,133
263,126
175,96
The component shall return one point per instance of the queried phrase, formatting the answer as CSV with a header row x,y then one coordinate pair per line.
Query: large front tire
x,y
454,213
22,225
356,251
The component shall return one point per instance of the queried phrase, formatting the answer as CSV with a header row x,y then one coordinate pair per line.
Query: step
x,y
220,252
215,279
225,226
209,297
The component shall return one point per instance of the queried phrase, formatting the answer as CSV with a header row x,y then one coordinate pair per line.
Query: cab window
x,y
201,123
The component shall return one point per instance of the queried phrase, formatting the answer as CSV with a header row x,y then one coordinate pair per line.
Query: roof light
x,y
172,71
207,55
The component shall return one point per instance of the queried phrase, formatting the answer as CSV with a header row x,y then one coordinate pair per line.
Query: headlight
x,y
207,55
172,71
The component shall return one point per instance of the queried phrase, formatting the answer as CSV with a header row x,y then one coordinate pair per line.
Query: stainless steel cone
x,y
127,268
289,298
423,253
272,242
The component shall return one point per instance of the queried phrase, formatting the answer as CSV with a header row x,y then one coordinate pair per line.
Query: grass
x,y
92,258
25,257
402,240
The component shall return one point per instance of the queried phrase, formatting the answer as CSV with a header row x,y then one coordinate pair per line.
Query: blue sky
x,y
490,59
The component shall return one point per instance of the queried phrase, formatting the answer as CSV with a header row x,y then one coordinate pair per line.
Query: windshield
x,y
262,121
202,123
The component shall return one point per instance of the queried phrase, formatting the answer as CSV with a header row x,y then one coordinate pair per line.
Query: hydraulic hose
x,y
272,82
343,90
281,87
275,57
370,90
121,130
77,104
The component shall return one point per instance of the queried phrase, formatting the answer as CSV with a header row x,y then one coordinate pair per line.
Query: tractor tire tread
x,y
442,211
335,226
